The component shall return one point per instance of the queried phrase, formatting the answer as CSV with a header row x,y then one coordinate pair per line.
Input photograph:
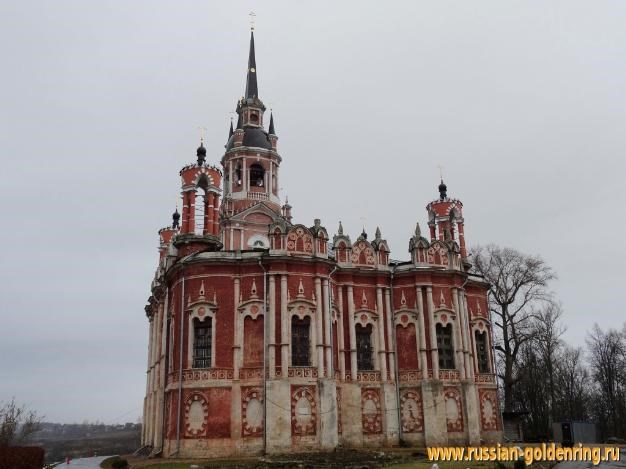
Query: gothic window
x,y
257,175
202,334
300,343
444,344
364,352
481,352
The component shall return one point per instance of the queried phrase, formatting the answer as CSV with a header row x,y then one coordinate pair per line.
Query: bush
x,y
119,464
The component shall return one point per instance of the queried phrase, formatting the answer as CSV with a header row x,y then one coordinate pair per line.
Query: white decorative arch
x,y
444,316
255,239
252,308
199,174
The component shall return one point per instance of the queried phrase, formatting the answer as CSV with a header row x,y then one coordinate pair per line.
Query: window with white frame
x,y
300,341
202,343
364,349
482,354
445,347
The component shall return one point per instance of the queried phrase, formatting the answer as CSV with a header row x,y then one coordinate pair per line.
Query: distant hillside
x,y
80,440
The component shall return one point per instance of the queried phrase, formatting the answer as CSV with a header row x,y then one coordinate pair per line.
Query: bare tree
x,y
548,331
519,288
17,423
607,352
573,386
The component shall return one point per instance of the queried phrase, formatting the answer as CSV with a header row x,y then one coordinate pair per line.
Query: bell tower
x,y
251,165
445,219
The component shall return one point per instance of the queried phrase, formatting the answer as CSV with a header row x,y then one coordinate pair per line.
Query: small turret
x,y
445,219
286,210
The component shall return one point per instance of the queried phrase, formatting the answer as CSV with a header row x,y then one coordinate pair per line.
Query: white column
x,y
353,364
244,175
433,332
155,372
319,327
381,335
238,338
327,328
458,336
162,371
148,422
390,334
230,177
285,327
422,332
341,353
463,326
272,326
470,352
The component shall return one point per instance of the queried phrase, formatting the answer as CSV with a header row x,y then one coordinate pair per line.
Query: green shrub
x,y
119,464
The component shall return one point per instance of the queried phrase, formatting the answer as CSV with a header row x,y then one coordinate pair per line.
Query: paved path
x,y
84,463
584,465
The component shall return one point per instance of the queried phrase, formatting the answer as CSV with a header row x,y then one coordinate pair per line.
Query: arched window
x,y
482,355
202,334
444,345
226,182
364,352
300,341
257,175
201,205
238,174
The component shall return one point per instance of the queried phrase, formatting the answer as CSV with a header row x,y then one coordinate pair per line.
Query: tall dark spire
x,y
230,132
271,130
252,90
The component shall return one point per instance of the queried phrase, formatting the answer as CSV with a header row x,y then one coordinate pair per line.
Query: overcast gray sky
x,y
522,102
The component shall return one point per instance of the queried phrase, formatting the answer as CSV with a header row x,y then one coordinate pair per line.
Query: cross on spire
x,y
252,16
202,131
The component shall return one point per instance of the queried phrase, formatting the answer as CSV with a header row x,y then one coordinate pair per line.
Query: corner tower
x,y
251,165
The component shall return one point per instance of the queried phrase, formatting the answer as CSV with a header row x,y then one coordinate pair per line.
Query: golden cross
x,y
252,15
202,130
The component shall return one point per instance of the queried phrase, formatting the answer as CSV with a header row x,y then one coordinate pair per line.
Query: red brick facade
x,y
269,335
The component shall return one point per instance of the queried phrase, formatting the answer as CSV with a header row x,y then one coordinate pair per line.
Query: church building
x,y
270,335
